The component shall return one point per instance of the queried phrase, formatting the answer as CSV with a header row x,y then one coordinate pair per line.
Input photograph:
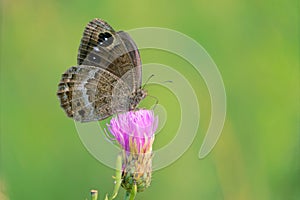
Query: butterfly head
x,y
136,97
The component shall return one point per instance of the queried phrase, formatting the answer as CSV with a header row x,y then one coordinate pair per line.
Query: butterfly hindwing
x,y
94,93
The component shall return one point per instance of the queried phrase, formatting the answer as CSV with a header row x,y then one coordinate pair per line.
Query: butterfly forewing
x,y
90,38
114,51
134,56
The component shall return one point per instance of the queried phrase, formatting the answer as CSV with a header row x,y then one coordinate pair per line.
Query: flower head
x,y
134,130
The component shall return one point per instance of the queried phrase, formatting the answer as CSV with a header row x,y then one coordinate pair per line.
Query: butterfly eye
x,y
105,39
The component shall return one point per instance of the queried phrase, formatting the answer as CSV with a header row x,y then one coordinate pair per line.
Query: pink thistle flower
x,y
134,131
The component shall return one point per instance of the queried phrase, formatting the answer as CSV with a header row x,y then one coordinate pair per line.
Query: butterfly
x,y
107,78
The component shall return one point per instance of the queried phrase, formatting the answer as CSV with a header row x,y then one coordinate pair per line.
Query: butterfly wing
x,y
134,55
89,93
114,51
108,72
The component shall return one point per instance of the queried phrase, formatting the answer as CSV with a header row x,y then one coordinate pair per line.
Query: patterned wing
x,y
85,93
114,51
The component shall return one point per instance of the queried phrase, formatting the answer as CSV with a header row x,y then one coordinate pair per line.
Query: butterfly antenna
x,y
147,81
169,81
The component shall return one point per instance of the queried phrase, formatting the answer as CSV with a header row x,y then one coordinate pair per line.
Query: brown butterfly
x,y
108,77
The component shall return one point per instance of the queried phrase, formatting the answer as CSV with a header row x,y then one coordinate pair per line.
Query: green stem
x,y
118,181
118,178
131,195
127,195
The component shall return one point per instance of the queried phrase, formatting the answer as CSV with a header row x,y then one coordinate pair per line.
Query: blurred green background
x,y
255,44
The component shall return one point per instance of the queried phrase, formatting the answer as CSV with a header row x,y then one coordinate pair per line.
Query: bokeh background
x,y
255,45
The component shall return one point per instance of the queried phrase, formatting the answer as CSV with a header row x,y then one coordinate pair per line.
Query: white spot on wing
x,y
96,49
